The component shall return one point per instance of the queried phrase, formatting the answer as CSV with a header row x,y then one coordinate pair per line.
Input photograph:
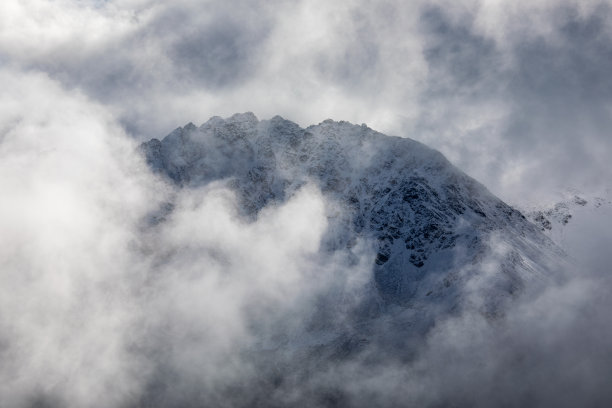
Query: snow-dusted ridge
x,y
552,218
433,227
578,223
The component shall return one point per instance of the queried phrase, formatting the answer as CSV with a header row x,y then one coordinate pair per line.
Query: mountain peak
x,y
246,117
429,224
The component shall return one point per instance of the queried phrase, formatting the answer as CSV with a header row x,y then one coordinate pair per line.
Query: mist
x,y
118,289
204,307
516,94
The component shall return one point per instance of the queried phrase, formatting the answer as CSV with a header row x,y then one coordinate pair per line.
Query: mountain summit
x,y
433,228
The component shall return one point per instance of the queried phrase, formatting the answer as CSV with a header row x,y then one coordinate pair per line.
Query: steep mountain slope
x,y
433,228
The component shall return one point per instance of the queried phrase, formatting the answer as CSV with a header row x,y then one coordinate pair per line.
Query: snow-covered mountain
x,y
579,224
434,229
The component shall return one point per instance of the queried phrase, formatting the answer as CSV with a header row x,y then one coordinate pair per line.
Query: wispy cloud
x,y
98,310
508,91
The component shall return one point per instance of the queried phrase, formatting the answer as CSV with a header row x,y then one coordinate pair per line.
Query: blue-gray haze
x,y
516,93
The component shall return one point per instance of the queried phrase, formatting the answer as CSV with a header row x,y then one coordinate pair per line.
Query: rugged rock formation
x,y
433,227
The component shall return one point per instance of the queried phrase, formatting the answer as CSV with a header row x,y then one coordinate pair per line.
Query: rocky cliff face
x,y
433,228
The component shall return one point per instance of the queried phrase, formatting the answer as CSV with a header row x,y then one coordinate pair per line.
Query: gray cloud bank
x,y
516,93
98,310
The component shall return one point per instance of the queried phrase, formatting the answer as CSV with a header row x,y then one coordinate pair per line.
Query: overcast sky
x,y
516,93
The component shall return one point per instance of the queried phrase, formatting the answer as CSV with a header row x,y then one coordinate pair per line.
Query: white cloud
x,y
95,307
489,83
73,195
94,299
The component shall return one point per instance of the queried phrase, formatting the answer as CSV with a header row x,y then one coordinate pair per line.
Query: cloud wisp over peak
x,y
115,283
